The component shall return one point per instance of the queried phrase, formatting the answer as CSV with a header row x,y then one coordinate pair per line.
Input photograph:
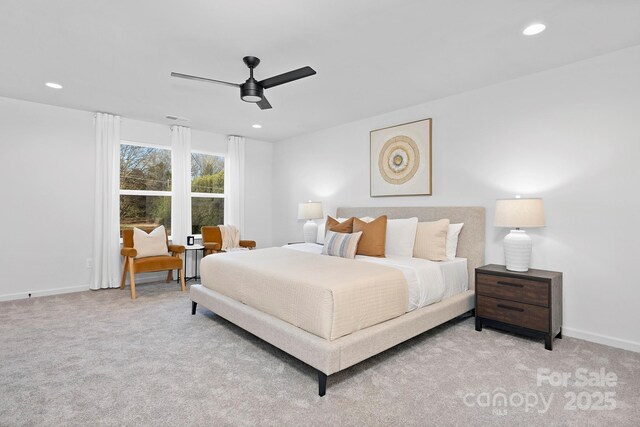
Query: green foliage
x,y
145,211
205,164
206,211
208,183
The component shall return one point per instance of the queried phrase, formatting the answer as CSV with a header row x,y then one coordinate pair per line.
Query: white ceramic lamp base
x,y
517,250
310,230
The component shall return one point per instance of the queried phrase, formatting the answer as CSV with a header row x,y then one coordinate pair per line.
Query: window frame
x,y
160,193
205,195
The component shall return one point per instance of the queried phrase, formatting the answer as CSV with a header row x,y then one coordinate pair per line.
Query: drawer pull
x,y
508,307
514,285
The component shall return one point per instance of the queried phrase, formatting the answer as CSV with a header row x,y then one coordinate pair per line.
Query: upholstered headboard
x,y
471,241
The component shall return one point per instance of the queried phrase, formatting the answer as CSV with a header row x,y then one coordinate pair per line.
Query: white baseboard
x,y
143,278
33,294
602,339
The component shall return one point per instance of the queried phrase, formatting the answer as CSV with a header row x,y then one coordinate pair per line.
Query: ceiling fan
x,y
253,90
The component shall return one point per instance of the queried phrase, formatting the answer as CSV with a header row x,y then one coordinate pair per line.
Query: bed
x,y
330,323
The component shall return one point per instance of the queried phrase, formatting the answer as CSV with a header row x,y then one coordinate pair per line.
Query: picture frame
x,y
400,160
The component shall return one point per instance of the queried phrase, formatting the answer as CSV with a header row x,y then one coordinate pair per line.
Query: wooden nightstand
x,y
528,303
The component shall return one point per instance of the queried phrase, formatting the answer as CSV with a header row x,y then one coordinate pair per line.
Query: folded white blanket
x,y
230,237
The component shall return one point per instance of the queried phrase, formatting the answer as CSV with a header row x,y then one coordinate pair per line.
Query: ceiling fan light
x,y
251,91
251,98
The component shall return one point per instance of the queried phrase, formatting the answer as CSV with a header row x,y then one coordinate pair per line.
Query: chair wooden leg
x,y
124,272
182,273
169,276
132,281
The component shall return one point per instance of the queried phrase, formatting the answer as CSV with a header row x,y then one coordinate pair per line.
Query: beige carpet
x,y
96,358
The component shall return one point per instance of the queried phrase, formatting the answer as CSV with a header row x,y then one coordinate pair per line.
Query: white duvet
x,y
425,279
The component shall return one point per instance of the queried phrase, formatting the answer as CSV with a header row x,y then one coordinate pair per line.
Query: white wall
x,y
46,197
258,192
47,186
569,135
160,134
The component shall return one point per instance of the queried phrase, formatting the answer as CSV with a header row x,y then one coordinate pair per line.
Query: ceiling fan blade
x,y
264,104
287,77
203,79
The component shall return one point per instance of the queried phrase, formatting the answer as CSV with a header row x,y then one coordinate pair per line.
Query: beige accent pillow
x,y
150,244
431,240
332,224
373,238
343,245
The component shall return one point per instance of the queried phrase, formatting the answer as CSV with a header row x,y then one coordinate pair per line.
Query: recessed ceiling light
x,y
54,85
256,126
534,29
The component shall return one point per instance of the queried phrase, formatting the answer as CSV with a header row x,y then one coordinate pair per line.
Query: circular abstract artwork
x,y
399,159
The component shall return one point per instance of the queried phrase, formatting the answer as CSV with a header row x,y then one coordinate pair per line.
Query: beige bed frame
x,y
329,357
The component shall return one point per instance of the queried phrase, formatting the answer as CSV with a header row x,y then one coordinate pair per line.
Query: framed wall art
x,y
401,160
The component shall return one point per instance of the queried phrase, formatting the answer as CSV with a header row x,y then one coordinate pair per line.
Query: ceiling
x,y
371,56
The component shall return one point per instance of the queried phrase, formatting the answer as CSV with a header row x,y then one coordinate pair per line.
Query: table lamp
x,y
514,214
310,211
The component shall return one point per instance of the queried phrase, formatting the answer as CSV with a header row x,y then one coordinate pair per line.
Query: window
x,y
145,186
207,190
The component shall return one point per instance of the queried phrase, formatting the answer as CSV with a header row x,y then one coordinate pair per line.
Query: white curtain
x,y
234,183
106,236
180,184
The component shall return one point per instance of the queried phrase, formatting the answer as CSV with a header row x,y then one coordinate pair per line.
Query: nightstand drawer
x,y
514,289
514,313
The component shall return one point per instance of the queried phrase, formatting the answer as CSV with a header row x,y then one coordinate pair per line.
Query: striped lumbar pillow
x,y
341,244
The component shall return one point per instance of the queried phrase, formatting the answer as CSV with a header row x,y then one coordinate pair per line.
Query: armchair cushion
x,y
157,263
211,234
150,244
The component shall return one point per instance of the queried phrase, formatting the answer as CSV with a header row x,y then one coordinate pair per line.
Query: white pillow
x,y
452,240
343,245
401,236
151,244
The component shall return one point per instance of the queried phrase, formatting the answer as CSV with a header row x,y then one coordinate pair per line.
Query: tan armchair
x,y
148,264
212,240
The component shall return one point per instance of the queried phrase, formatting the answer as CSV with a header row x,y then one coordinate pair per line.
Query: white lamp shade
x,y
310,210
519,213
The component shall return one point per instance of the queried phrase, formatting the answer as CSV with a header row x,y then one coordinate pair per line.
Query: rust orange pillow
x,y
332,224
374,235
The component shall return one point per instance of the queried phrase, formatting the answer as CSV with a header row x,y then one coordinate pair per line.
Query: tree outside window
x,y
207,190
145,186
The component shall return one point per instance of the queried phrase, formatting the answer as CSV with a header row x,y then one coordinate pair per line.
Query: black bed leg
x,y
193,307
322,383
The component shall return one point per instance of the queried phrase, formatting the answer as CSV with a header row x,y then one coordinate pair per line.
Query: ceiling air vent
x,y
176,118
